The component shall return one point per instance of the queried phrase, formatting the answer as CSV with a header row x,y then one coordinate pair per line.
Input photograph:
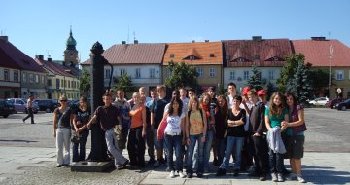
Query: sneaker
x,y
189,175
273,177
23,121
280,177
172,174
181,174
156,164
300,179
58,165
262,178
123,165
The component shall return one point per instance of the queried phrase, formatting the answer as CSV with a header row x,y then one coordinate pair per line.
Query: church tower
x,y
71,54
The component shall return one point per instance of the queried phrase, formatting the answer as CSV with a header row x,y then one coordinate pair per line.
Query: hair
x,y
274,109
177,93
253,92
238,98
107,93
202,98
194,99
224,107
231,84
85,100
161,87
295,100
171,109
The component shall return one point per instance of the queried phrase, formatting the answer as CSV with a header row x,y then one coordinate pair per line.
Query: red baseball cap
x,y
245,90
262,92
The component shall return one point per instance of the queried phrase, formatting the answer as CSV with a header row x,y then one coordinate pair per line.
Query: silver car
x,y
21,105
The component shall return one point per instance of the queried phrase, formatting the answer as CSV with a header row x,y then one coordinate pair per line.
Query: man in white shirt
x,y
30,110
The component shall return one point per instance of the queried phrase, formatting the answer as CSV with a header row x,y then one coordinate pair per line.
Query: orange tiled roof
x,y
317,52
201,52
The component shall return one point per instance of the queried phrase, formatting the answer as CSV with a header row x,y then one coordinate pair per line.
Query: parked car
x,y
343,105
319,101
331,104
47,105
21,105
6,108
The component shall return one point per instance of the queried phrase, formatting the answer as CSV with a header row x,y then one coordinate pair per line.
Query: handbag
x,y
75,138
161,128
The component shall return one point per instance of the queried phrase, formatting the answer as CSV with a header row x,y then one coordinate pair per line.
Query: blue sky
x,y
42,26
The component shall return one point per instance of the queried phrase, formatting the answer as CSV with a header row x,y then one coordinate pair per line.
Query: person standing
x,y
173,136
62,119
231,92
108,117
235,136
295,136
29,109
220,127
81,118
275,115
136,142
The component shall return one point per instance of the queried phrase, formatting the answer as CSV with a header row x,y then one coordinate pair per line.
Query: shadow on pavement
x,y
325,175
18,140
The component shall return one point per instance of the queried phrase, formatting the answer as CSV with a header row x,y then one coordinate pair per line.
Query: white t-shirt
x,y
174,125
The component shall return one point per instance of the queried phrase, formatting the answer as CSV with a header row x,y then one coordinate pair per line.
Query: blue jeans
x,y
236,144
276,162
172,142
195,140
207,147
80,156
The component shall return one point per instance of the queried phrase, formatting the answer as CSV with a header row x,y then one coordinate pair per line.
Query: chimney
x,y
318,38
206,41
123,42
193,41
49,59
40,57
136,41
257,38
4,38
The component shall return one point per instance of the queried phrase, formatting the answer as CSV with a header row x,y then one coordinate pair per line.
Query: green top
x,y
275,120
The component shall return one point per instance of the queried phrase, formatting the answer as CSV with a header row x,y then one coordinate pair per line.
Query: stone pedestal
x,y
92,166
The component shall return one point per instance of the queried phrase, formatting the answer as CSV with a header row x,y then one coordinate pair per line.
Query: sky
x,y
41,27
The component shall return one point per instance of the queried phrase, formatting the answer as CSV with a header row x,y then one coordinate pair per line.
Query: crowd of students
x,y
258,135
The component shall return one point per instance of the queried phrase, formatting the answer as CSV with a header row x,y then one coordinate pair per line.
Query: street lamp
x,y
330,69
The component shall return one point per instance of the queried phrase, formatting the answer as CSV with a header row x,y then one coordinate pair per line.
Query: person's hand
x,y
54,133
257,134
188,141
203,139
88,125
144,133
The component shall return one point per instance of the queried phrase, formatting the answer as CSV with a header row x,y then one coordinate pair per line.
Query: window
x,y
122,71
37,79
138,73
271,75
6,75
15,76
212,72
31,78
246,75
211,55
65,83
339,74
232,75
62,84
57,83
68,83
107,73
43,79
152,73
24,77
199,71
49,82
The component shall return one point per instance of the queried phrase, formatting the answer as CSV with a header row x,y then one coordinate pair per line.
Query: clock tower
x,y
71,54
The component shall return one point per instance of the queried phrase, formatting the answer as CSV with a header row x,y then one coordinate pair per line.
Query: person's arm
x,y
286,120
204,126
75,122
55,122
152,119
300,119
267,122
91,122
262,126
187,132
132,112
144,123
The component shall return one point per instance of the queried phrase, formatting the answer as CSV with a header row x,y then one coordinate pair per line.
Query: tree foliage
x,y
320,80
181,75
288,70
124,83
85,83
299,81
255,80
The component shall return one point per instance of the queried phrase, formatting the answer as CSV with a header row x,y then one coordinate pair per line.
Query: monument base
x,y
92,166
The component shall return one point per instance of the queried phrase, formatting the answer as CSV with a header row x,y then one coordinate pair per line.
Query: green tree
x,y
181,75
270,88
300,83
319,79
124,83
85,83
288,71
255,79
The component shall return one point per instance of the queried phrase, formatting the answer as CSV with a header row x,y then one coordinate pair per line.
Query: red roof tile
x,y
23,61
317,52
6,61
203,53
134,54
55,68
261,51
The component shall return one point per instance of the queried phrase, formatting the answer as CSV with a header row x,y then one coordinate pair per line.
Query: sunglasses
x,y
63,100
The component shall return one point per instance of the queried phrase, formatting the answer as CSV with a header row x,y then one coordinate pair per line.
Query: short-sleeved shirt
x,y
83,116
63,118
107,117
124,108
174,125
196,123
236,131
158,109
136,120
276,120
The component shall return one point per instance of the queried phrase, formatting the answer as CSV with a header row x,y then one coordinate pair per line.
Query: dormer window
x,y
211,55
172,55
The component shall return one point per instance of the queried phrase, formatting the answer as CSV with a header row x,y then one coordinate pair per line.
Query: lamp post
x,y
330,69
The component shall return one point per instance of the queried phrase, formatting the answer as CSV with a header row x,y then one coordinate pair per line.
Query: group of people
x,y
256,133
